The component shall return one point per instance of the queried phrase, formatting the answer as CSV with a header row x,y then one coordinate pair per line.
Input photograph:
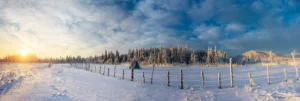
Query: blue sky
x,y
89,27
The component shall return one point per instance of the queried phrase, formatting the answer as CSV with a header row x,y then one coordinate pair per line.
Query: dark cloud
x,y
96,25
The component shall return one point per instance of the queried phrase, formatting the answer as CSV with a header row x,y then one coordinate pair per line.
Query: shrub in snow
x,y
193,89
248,88
186,99
135,64
252,83
49,65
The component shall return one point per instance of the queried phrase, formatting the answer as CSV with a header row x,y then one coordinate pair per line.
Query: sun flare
x,y
24,52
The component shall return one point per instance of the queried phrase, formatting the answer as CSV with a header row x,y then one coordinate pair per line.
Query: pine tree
x,y
180,54
129,56
132,55
270,57
215,56
193,57
105,56
117,60
124,58
221,56
151,58
136,54
112,58
209,56
186,55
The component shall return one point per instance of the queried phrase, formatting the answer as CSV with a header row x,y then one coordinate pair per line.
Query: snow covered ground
x,y
64,82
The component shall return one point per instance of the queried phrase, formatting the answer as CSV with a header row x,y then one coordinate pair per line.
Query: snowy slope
x,y
63,82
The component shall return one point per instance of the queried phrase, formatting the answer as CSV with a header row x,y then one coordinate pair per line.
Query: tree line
x,y
157,55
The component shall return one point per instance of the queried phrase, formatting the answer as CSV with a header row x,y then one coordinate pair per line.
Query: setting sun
x,y
24,52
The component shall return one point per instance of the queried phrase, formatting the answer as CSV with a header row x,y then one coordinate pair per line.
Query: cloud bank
x,y
89,27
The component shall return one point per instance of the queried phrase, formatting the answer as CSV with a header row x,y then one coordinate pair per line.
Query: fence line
x,y
183,78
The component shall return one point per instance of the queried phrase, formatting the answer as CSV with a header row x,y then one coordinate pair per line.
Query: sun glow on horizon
x,y
24,52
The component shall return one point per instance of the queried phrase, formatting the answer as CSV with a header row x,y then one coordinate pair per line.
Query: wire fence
x,y
192,77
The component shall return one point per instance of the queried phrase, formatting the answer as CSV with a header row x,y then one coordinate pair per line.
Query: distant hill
x,y
254,56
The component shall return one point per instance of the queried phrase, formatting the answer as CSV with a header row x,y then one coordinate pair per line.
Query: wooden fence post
x,y
144,80
231,72
89,66
123,74
100,70
293,55
104,71
285,76
115,71
250,79
168,78
219,80
181,80
132,74
268,74
202,75
107,71
297,77
152,74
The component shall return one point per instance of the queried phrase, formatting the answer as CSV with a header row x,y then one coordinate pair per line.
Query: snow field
x,y
65,82
192,75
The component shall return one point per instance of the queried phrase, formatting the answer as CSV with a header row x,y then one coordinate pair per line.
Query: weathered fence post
x,y
250,79
168,78
115,71
107,71
285,76
104,71
219,80
293,55
181,80
144,80
268,74
132,74
231,72
152,74
123,74
100,70
297,75
89,66
202,75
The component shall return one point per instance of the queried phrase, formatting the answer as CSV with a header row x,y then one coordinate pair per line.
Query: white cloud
x,y
76,27
258,6
209,33
202,11
65,26
235,27
79,27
